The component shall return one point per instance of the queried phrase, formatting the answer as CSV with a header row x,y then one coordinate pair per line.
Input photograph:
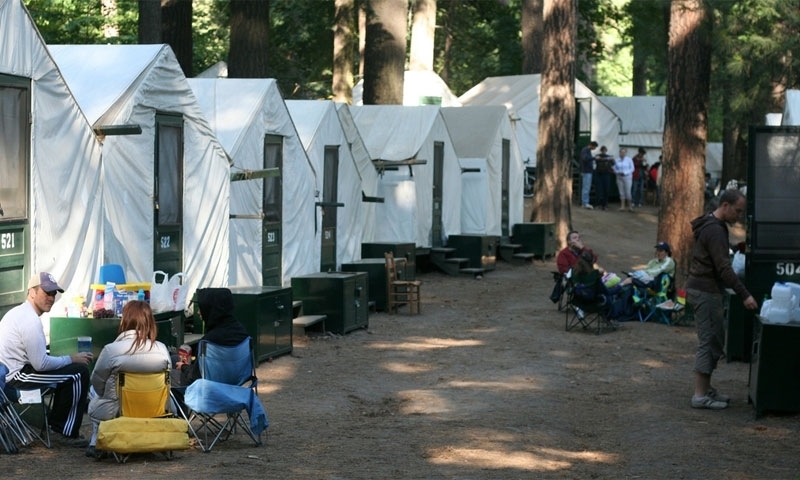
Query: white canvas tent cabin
x,y
272,219
339,216
520,95
166,197
50,171
420,87
410,147
642,123
366,171
491,196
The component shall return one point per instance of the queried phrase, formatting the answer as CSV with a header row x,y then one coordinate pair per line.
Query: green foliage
x,y
210,24
82,22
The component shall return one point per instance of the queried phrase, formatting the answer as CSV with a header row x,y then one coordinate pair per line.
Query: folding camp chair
x,y
227,388
588,304
23,402
145,423
656,300
15,432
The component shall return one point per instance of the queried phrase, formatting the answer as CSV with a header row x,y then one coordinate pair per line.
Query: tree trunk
x,y
149,22
176,30
385,52
556,146
532,36
362,35
448,40
686,128
639,61
343,40
422,34
249,39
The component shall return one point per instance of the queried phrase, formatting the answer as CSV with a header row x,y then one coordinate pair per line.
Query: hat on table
x,y
46,281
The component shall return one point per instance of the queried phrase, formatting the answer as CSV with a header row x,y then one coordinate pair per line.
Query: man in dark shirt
x,y
710,272
604,174
587,168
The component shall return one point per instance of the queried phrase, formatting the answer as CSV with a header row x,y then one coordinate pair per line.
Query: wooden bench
x,y
301,323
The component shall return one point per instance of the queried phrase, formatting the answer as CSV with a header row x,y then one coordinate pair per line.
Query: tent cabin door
x,y
438,193
272,207
330,194
15,157
168,199
504,195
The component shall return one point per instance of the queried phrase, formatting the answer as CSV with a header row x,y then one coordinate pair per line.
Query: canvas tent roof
x,y
242,112
318,125
478,134
65,188
642,123
398,133
791,108
129,84
520,95
420,87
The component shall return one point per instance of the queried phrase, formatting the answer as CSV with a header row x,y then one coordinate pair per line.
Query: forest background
x,y
722,64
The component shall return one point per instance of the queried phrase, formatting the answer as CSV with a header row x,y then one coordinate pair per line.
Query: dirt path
x,y
486,384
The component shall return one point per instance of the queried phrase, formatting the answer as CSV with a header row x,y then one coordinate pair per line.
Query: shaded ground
x,y
486,384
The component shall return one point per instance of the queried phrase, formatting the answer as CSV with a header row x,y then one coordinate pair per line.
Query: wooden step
x,y
301,323
475,272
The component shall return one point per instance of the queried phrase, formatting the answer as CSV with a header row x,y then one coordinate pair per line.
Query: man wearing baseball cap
x,y
23,349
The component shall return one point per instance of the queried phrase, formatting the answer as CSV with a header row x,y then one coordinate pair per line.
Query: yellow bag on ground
x,y
140,435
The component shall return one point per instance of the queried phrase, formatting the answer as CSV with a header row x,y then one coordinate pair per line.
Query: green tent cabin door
x,y
168,198
15,158
504,204
438,193
330,194
272,206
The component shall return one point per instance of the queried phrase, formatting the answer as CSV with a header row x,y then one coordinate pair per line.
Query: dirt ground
x,y
486,384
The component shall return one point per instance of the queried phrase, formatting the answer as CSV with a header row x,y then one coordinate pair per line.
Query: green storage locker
x,y
775,367
64,332
537,238
375,268
266,313
342,296
399,250
479,250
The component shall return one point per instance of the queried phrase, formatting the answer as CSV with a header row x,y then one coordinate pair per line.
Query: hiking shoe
x,y
586,205
91,452
715,395
708,402
579,312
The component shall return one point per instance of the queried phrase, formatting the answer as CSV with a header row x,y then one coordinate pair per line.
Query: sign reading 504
x,y
787,268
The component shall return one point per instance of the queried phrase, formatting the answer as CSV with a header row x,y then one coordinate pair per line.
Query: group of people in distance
x,y
710,272
633,176
23,350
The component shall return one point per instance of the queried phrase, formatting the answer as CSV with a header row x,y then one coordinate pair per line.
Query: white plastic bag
x,y
738,264
161,293
178,286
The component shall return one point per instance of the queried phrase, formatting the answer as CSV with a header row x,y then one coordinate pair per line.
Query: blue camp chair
x,y
14,430
111,272
227,386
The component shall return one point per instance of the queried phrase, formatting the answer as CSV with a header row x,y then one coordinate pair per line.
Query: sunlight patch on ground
x,y
398,367
427,344
518,385
547,459
654,363
422,402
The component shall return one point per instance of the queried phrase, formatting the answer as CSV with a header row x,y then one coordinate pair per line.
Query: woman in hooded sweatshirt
x,y
216,310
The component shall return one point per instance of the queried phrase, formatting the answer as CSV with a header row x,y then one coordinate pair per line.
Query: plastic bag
x,y
178,286
738,264
161,293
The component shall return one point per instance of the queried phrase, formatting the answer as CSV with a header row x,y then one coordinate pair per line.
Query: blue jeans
x,y
586,187
637,191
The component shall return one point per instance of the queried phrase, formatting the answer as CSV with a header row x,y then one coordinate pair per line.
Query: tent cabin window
x,y
14,148
168,193
273,158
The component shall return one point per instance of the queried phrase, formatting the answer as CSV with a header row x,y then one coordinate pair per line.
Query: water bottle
x,y
108,297
140,295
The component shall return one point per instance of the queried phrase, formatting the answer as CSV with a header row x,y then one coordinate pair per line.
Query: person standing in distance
x,y
23,349
587,168
710,272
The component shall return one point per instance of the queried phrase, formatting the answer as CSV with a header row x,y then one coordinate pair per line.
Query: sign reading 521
x,y
7,241
787,268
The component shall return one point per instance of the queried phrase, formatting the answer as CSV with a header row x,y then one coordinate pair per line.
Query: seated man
x,y
23,349
568,257
662,263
